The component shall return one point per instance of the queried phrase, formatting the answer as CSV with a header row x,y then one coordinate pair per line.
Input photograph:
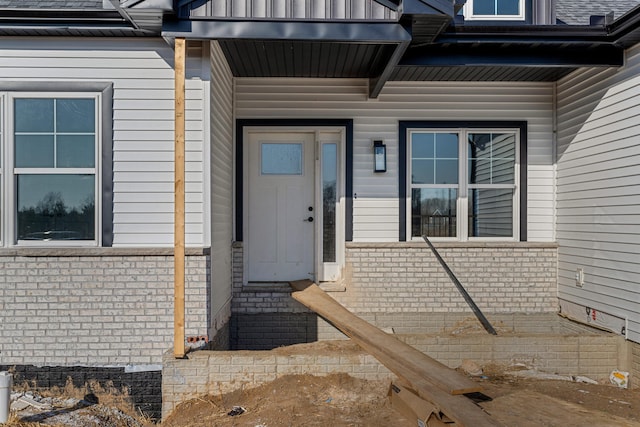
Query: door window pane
x,y
56,207
491,212
281,159
433,212
329,199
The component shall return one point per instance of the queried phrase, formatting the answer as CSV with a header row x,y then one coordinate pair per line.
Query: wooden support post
x,y
178,252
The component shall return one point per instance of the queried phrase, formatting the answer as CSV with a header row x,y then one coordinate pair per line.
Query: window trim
x,y
404,184
470,16
103,93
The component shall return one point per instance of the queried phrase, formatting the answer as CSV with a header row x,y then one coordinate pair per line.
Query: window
x,y
494,10
329,200
462,183
54,141
51,152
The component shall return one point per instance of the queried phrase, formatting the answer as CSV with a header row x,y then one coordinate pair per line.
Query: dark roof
x,y
577,12
51,4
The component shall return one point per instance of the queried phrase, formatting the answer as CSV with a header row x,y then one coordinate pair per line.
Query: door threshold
x,y
332,286
279,287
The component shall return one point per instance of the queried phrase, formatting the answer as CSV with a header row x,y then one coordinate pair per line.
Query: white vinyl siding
x,y
221,180
598,201
375,201
141,71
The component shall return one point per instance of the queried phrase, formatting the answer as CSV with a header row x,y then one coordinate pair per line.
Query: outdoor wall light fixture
x,y
379,156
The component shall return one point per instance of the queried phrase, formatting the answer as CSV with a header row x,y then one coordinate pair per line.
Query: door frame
x,y
345,128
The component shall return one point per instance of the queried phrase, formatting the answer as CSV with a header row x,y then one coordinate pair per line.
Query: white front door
x,y
281,210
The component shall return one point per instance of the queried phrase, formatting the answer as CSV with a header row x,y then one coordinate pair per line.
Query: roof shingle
x,y
577,12
51,4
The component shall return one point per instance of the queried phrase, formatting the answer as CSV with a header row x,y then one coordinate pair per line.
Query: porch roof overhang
x,y
418,48
508,54
324,49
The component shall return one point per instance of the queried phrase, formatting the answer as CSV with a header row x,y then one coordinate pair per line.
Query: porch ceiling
x,y
276,58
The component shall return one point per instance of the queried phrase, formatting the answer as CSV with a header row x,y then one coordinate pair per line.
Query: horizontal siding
x,y
376,195
221,180
143,112
598,200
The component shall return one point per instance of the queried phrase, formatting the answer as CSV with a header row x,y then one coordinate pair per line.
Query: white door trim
x,y
323,134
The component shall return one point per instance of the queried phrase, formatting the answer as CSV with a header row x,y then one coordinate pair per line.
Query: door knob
x,y
310,219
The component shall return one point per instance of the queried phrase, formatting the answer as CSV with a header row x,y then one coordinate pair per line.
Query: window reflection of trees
x,y
52,219
329,221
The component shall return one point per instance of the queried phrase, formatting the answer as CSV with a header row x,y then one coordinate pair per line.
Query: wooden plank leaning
x,y
432,381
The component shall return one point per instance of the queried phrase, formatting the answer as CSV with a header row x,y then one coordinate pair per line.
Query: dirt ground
x,y
341,401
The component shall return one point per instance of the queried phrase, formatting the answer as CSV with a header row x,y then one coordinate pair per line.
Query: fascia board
x,y
357,32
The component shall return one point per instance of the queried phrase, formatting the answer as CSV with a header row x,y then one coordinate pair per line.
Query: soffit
x,y
258,58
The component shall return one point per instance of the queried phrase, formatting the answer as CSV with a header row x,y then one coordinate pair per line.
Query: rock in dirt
x,y
471,368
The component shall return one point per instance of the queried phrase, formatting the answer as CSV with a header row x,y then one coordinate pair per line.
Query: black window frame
x,y
403,185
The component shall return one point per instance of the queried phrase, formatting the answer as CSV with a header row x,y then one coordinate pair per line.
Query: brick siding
x,y
407,278
109,307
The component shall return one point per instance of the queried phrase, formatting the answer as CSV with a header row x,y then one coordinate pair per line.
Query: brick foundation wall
x,y
96,306
218,372
265,331
406,277
634,381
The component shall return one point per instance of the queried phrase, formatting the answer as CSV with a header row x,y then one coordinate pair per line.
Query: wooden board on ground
x,y
413,407
531,409
431,380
